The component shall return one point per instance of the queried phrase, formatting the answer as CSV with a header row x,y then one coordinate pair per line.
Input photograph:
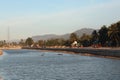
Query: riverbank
x,y
8,48
2,48
1,52
108,52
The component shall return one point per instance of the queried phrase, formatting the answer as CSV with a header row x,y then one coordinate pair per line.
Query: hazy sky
x,y
26,18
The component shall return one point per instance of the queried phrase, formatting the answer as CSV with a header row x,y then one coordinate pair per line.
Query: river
x,y
39,65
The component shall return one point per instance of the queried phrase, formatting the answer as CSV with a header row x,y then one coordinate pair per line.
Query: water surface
x,y
38,65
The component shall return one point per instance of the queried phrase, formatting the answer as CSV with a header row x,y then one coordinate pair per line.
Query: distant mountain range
x,y
65,36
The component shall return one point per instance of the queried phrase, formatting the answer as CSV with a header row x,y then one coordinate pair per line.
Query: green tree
x,y
55,42
14,44
1,43
61,42
29,41
73,37
94,37
67,43
114,34
85,40
103,35
41,43
21,43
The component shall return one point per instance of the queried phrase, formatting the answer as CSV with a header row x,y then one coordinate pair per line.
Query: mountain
x,y
65,36
45,37
84,30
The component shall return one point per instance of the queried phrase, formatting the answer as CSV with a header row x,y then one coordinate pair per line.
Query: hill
x,y
65,36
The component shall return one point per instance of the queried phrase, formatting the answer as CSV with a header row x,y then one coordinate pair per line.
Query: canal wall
x,y
93,51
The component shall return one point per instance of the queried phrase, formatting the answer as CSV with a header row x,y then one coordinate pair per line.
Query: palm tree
x,y
103,35
73,37
41,43
114,34
94,36
29,41
21,43
85,40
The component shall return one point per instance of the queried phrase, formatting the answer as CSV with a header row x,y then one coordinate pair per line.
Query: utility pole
x,y
8,37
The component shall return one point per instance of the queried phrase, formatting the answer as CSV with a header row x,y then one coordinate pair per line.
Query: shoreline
x,y
104,52
8,48
86,54
86,51
3,48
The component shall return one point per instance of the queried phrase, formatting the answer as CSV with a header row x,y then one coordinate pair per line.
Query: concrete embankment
x,y
92,51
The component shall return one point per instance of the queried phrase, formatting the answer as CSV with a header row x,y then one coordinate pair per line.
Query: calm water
x,y
38,65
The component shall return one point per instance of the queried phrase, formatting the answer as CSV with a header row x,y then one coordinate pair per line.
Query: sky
x,y
26,18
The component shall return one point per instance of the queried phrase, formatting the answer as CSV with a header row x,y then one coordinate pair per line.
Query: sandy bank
x,y
1,52
2,48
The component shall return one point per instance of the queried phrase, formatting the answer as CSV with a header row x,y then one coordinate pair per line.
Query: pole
x,y
8,37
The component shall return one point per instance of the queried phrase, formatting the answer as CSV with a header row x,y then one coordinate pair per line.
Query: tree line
x,y
106,36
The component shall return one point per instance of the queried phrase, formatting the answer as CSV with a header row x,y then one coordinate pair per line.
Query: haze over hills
x,y
65,36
